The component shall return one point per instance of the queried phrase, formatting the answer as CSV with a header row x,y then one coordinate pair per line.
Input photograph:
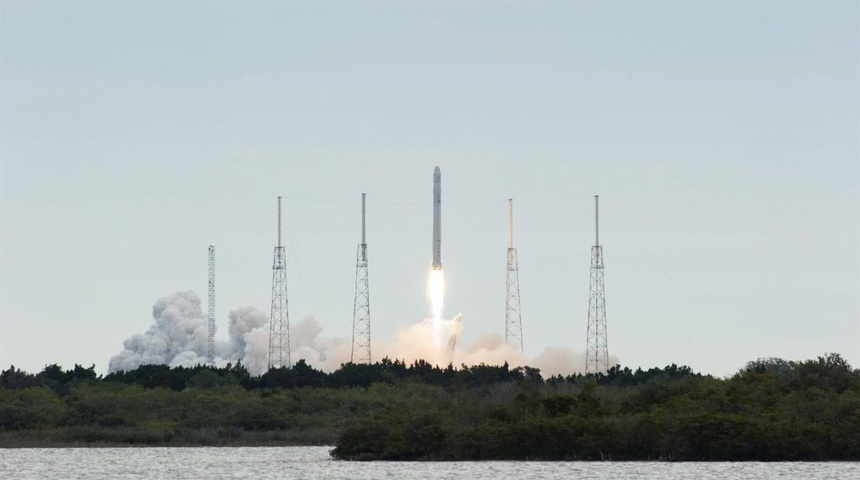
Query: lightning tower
x,y
361,304
279,320
596,350
513,320
211,347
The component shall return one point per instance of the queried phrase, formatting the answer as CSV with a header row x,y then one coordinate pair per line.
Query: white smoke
x,y
179,337
322,353
243,321
419,341
255,356
248,340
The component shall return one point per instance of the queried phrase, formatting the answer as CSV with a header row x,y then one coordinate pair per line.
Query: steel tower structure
x,y
361,304
210,352
596,350
513,319
279,319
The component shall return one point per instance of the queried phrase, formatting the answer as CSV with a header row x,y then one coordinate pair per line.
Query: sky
x,y
723,139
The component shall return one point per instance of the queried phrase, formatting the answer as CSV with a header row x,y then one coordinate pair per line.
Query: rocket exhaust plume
x,y
436,292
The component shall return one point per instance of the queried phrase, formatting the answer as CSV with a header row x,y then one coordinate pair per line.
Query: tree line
x,y
772,409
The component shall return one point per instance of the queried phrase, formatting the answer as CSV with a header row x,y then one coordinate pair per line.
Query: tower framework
x,y
513,317
210,352
597,349
279,319
361,304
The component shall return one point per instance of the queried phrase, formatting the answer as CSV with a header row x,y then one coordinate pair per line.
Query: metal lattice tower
x,y
513,319
361,305
279,319
596,350
211,347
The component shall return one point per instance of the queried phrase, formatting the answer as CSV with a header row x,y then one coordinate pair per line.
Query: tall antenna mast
x,y
361,303
596,223
211,347
280,242
279,319
596,350
513,319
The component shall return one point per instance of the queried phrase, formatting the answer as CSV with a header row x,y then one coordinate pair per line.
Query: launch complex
x,y
444,331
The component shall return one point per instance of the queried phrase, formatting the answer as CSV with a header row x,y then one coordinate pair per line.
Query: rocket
x,y
437,219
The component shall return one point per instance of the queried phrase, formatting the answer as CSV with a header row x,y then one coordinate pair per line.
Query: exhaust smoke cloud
x,y
178,337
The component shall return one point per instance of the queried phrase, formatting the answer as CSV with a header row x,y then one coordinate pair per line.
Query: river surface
x,y
315,463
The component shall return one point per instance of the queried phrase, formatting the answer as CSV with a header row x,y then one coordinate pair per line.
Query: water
x,y
315,463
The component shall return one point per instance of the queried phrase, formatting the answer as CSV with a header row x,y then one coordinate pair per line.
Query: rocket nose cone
x,y
436,171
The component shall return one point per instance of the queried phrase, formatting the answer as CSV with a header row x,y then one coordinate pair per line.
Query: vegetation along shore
x,y
772,409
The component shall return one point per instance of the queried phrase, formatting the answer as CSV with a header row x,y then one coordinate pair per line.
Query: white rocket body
x,y
437,219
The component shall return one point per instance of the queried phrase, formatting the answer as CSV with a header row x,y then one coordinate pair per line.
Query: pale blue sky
x,y
722,139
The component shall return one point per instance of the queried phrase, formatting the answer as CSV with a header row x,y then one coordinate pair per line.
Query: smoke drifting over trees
x,y
179,338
